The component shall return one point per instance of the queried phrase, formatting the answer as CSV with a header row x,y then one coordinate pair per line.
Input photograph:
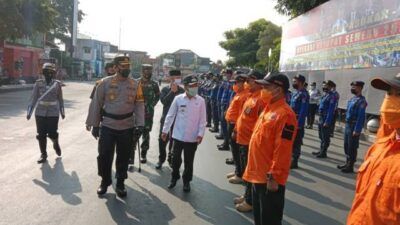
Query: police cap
x,y
300,78
49,66
239,78
329,83
147,66
278,79
386,84
175,73
357,83
190,79
121,60
254,74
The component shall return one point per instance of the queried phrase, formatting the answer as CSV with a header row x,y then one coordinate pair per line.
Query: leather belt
x,y
117,117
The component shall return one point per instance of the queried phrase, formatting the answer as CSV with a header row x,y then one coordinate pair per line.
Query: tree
x,y
268,39
242,44
295,8
64,21
22,18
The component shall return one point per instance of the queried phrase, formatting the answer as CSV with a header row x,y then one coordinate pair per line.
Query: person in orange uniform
x,y
270,151
252,108
377,197
232,114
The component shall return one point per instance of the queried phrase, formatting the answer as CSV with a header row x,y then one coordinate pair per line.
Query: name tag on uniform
x,y
182,108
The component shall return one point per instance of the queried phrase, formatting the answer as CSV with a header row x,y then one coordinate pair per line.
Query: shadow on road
x,y
212,204
57,182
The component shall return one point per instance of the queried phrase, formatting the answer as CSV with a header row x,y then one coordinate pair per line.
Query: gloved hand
x,y
96,132
138,130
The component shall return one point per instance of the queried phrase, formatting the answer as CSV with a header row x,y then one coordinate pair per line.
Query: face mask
x,y
147,76
125,72
235,88
390,111
325,89
178,81
192,91
48,75
295,86
353,91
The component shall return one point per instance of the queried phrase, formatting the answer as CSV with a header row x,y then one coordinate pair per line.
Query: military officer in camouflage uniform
x,y
117,109
151,94
48,100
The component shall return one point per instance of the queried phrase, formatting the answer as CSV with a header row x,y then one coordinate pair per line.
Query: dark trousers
x,y
332,127
46,127
298,141
244,149
312,110
224,125
235,151
215,117
351,143
268,206
189,150
162,145
324,136
121,141
208,110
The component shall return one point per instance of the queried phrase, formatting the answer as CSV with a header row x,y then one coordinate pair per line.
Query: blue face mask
x,y
192,91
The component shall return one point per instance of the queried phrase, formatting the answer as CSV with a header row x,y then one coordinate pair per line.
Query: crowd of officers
x,y
259,120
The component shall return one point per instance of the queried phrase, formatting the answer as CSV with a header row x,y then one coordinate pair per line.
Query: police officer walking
x,y
188,110
299,104
48,101
151,94
118,107
167,96
355,117
326,113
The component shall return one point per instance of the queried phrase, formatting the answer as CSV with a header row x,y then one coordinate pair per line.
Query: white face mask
x,y
192,91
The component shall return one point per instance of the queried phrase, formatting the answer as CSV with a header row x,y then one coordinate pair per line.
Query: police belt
x,y
44,103
117,117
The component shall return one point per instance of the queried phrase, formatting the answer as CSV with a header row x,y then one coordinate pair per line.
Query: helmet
x,y
49,66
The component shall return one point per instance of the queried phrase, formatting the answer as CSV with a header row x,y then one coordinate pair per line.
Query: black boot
x,y
143,159
219,137
56,146
42,145
102,189
294,164
214,129
316,153
342,166
322,155
208,125
349,168
223,147
186,187
172,183
159,165
120,189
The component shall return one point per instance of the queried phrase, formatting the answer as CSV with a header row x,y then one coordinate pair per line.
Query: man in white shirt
x,y
188,110
315,97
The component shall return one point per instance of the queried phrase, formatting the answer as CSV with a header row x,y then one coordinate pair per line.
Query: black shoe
x,y
316,153
186,187
294,164
172,184
219,137
322,155
349,168
342,166
229,161
120,189
159,165
131,161
213,130
309,127
102,188
42,159
208,125
223,148
143,160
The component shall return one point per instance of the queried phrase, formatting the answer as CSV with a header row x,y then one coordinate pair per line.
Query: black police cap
x,y
190,79
175,73
255,74
121,60
329,83
386,84
357,83
239,78
300,78
278,79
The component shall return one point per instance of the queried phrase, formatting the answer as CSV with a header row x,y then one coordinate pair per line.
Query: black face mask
x,y
295,86
48,76
147,76
110,74
125,72
353,91
325,89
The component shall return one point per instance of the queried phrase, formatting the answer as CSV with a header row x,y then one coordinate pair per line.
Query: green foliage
x,y
22,18
295,8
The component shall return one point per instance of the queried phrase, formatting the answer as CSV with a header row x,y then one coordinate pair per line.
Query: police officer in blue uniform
x,y
299,103
205,92
337,97
225,92
214,102
355,118
326,113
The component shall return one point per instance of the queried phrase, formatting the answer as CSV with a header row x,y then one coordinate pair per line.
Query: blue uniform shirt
x,y
327,108
337,97
299,103
220,92
227,92
355,113
214,91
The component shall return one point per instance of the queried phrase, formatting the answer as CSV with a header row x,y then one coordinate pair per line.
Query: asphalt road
x,y
63,191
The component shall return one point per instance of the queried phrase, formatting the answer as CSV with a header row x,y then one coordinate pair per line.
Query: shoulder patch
x,y
287,132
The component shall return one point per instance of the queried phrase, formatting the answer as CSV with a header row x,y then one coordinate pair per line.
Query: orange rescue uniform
x,y
270,150
377,197
252,108
236,106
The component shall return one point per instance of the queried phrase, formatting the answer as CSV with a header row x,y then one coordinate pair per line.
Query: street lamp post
x,y
269,59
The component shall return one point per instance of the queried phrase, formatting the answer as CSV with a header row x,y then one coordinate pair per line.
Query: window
x,y
86,50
